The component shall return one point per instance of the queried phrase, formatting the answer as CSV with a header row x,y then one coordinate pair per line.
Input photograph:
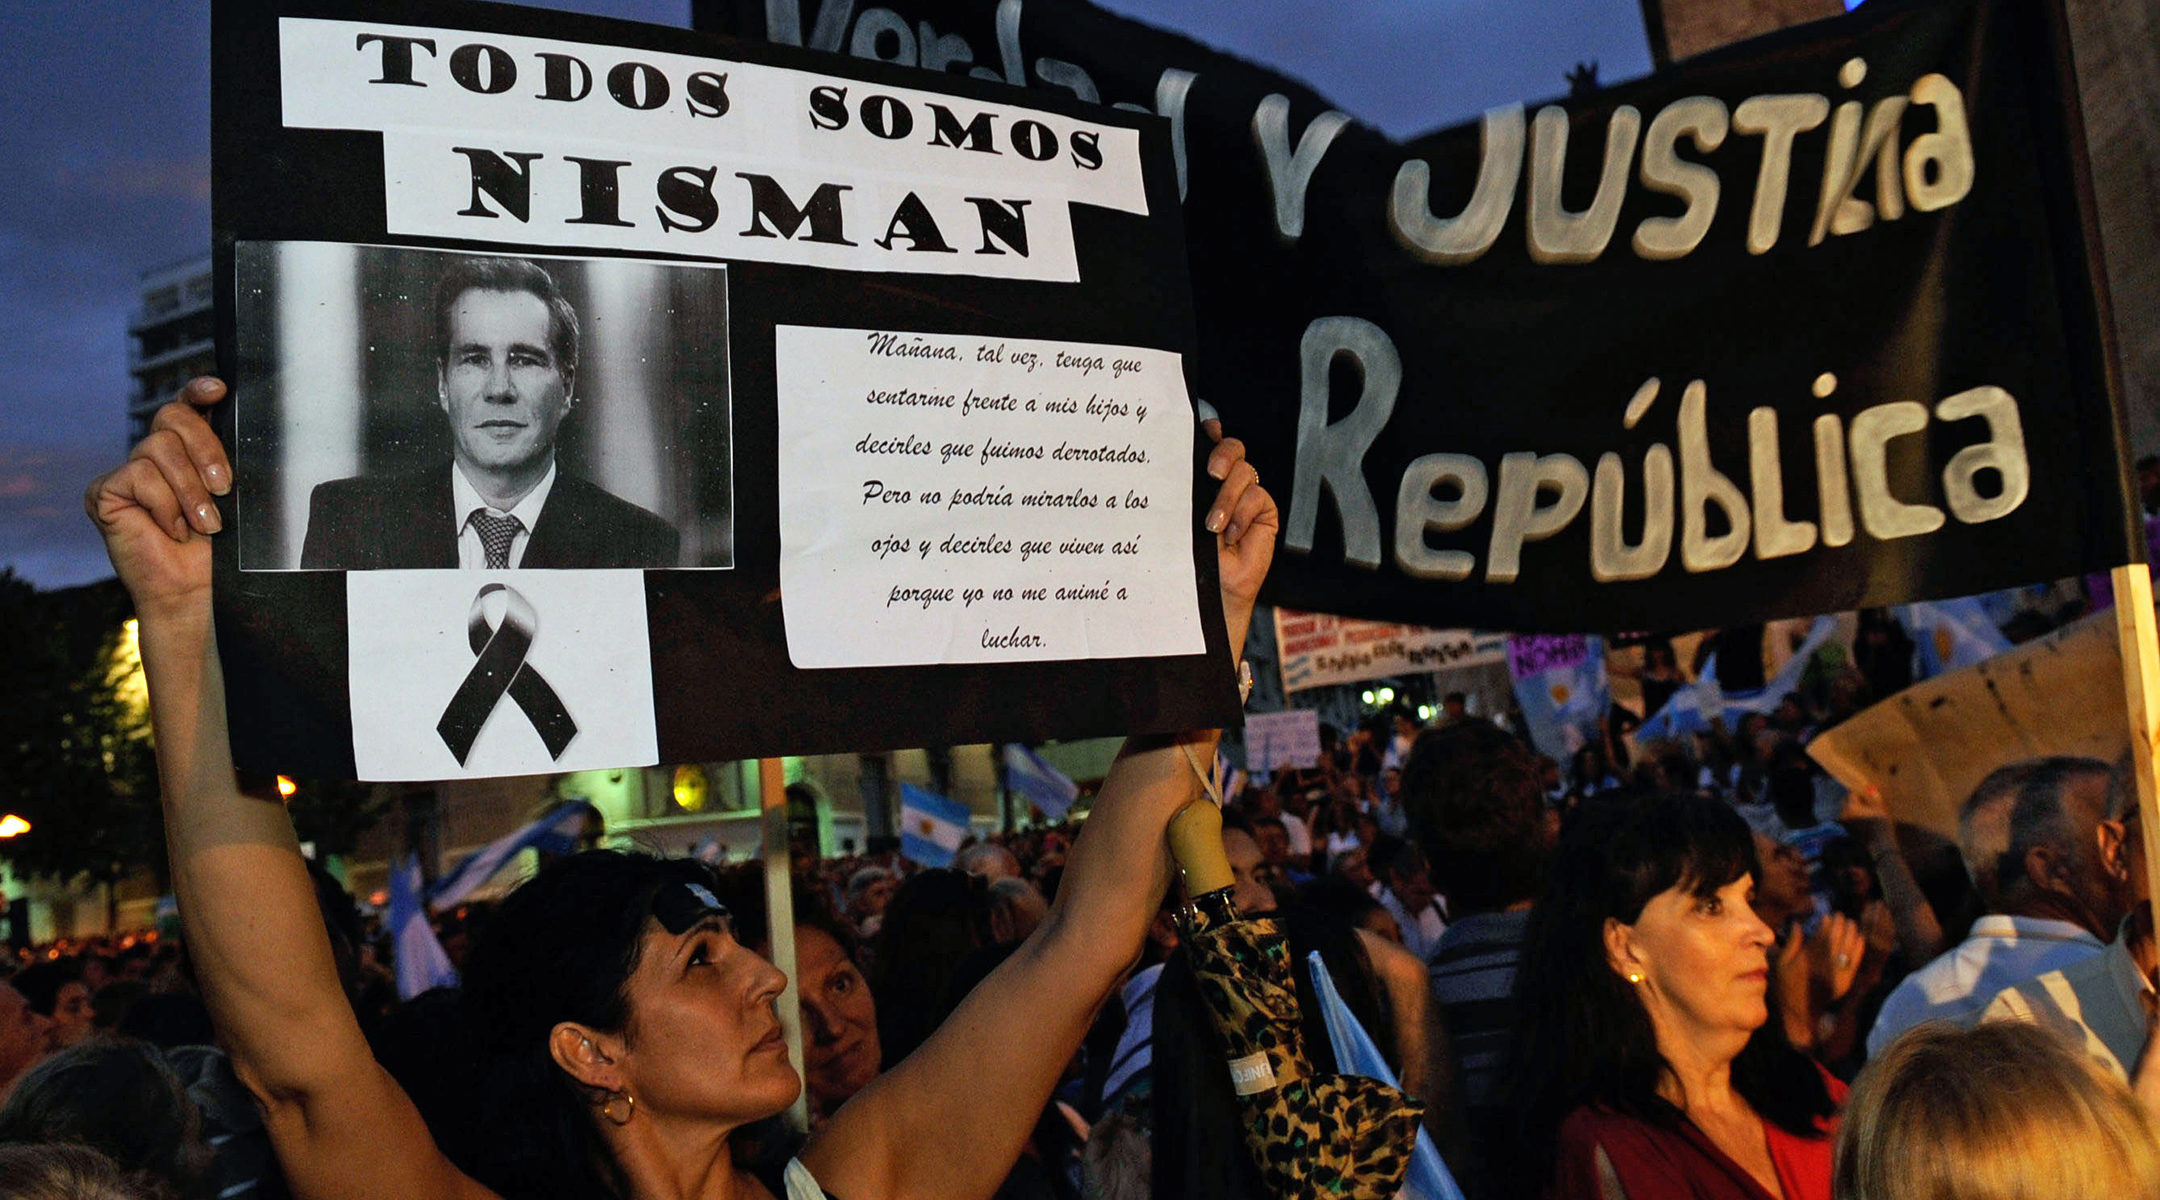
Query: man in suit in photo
x,y
506,377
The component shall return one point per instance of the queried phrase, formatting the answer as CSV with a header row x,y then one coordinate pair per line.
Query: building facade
x,y
171,338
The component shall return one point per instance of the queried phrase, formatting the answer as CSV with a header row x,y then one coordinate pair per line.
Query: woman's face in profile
x,y
703,1039
1704,960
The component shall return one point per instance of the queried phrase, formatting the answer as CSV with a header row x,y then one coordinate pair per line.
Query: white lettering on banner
x,y
1539,495
952,498
495,137
1932,171
1320,650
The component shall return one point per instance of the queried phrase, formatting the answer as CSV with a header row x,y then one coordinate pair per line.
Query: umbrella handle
x,y
1197,846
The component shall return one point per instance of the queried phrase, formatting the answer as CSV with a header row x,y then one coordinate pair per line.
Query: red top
x,y
1640,1161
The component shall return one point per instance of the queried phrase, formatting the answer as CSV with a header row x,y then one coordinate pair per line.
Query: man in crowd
x,y
2031,837
1477,810
506,347
2101,1003
987,859
1402,883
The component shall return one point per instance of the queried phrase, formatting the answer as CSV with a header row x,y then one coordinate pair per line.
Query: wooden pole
x,y
780,922
2134,626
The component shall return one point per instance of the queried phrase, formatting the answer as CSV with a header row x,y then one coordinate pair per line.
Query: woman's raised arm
x,y
948,1122
341,1125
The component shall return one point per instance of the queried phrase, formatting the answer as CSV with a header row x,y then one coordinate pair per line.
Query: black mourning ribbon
x,y
500,667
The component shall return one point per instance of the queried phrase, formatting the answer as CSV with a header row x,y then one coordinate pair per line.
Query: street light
x,y
13,826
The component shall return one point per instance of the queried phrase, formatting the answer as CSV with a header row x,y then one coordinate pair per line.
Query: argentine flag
x,y
1039,783
554,833
1355,1054
1693,707
931,827
1950,634
421,961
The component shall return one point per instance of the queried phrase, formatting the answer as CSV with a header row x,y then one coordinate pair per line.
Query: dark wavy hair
x,y
475,273
1477,805
1582,1035
562,947
120,1098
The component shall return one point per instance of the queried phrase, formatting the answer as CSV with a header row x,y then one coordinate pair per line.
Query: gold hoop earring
x,y
1634,977
629,1108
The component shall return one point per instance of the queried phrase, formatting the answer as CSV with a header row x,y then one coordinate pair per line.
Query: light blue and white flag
x,y
422,963
1037,782
1560,686
1950,634
931,827
1694,706
554,833
1355,1054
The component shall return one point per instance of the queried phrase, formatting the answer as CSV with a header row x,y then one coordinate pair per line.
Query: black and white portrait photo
x,y
419,409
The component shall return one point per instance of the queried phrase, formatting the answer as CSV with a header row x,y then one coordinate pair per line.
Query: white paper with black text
x,y
958,499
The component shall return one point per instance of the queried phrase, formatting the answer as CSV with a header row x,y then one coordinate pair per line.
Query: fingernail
x,y
206,515
1215,522
1217,472
218,478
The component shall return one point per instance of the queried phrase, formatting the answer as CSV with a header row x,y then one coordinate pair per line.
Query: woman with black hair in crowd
x,y
1646,1065
620,1033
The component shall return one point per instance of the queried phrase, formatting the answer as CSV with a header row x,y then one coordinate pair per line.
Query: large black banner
x,y
1803,325
608,394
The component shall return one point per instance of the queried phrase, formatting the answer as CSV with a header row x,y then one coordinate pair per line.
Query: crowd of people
x,y
1661,969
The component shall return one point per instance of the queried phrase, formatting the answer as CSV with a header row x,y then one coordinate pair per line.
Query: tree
x,y
75,751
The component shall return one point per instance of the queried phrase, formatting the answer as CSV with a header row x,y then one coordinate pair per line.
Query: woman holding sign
x,y
620,1032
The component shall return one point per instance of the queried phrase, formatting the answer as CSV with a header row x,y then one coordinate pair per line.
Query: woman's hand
x,y
1244,522
1834,955
154,510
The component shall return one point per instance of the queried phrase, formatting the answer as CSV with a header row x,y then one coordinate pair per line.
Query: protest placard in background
x,y
1319,650
1927,747
1282,739
1798,326
703,333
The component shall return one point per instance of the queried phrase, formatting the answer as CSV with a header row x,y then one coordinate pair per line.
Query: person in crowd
x,y
1645,1063
2104,1004
1249,869
1016,908
620,1033
1478,811
1345,903
869,890
55,989
119,1098
2030,837
1660,676
23,1035
1454,707
988,860
1403,729
1403,885
1297,835
937,919
1994,1111
51,1172
841,1051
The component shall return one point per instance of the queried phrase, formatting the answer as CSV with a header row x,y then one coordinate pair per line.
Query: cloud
x,y
43,533
134,177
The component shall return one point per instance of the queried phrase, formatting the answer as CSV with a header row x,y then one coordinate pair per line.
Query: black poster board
x,y
764,252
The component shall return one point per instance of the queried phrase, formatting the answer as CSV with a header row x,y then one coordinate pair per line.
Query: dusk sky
x,y
105,132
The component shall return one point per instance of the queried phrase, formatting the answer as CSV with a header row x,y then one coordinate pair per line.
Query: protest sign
x,y
1318,650
1927,747
1798,326
608,394
1282,739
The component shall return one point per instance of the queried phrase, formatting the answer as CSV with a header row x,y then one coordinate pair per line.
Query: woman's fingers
x,y
1228,453
182,419
183,476
1239,481
1254,507
137,486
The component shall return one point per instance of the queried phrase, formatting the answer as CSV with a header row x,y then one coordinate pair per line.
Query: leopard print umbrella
x,y
1309,1135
